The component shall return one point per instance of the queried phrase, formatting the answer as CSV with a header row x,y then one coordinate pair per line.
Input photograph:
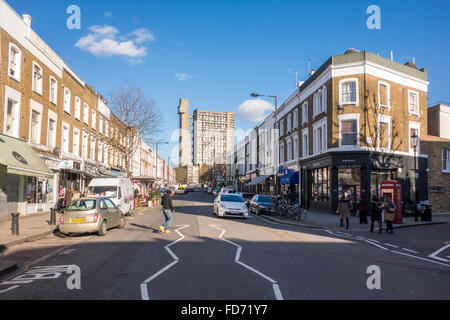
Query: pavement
x,y
37,226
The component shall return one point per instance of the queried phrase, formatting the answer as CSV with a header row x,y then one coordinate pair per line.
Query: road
x,y
207,258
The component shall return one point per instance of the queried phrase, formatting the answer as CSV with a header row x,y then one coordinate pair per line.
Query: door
x,y
115,212
105,214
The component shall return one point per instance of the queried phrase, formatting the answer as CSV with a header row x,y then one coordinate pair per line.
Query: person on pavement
x,y
363,210
344,210
376,214
68,197
166,202
389,210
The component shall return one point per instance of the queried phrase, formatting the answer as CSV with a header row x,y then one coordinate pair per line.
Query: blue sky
x,y
215,53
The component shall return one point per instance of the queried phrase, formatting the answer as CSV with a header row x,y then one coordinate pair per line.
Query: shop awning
x,y
289,178
19,158
257,180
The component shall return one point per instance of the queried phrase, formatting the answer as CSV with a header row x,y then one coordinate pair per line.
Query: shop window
x,y
39,190
320,184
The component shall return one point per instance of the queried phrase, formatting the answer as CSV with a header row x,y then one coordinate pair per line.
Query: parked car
x,y
262,204
226,190
119,190
91,215
215,192
247,197
181,189
230,205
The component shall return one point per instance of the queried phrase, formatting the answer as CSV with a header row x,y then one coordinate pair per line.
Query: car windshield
x,y
107,191
264,199
231,198
247,196
82,205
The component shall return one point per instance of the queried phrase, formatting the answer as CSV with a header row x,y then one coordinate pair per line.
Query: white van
x,y
119,190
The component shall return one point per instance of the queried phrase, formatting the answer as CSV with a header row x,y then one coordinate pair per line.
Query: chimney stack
x,y
392,55
27,19
312,72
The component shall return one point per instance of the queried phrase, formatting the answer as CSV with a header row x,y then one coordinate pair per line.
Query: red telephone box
x,y
393,189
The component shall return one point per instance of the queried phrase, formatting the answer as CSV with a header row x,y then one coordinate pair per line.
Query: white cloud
x,y
183,76
104,41
254,110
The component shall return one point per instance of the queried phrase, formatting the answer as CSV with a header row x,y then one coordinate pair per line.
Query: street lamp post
x,y
276,114
415,143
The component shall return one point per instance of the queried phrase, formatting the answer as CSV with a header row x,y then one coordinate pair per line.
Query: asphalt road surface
x,y
209,258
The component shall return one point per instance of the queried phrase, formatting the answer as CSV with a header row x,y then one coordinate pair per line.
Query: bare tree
x,y
140,115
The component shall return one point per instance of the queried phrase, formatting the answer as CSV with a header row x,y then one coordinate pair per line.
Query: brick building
x,y
66,122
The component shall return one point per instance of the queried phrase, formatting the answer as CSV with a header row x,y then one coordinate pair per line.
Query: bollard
x,y
15,223
53,216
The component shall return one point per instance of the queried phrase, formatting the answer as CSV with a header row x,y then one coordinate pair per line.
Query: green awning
x,y
19,158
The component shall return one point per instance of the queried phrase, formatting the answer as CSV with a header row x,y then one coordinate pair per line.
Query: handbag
x,y
389,216
391,208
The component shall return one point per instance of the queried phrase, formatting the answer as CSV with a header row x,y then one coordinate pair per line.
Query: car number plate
x,y
80,220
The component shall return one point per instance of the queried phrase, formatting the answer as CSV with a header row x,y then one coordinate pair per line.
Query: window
x,y
295,146
77,108
100,124
37,78
86,114
76,142
65,137
320,136
295,119
446,160
288,122
51,133
93,119
349,130
100,152
289,149
92,151
53,90
414,128
67,96
35,132
281,152
348,91
413,102
106,128
10,117
305,144
15,61
384,132
305,113
319,102
85,144
384,95
281,128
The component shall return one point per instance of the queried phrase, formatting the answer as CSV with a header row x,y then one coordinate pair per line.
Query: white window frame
x,y
76,144
305,112
295,146
447,151
77,114
37,107
288,149
54,99
289,122
388,95
281,126
18,62
93,118
341,82
305,148
295,119
322,126
100,152
54,117
417,101
349,116
282,152
100,123
67,101
86,113
16,97
85,145
92,148
37,86
65,125
384,119
413,125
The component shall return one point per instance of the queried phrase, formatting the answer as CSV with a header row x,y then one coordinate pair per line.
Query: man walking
x,y
166,202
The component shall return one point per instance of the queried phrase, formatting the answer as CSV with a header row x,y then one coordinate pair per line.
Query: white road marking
x,y
368,241
275,286
144,287
412,251
434,254
405,254
391,245
8,289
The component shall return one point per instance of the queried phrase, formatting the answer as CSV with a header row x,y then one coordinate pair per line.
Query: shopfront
x,y
327,177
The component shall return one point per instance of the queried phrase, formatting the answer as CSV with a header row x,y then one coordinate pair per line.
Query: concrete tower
x,y
183,111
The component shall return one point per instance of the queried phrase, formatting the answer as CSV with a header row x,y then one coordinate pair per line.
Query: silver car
x,y
91,215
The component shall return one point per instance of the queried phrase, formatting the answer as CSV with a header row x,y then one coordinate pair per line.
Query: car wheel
x,y
102,230
122,222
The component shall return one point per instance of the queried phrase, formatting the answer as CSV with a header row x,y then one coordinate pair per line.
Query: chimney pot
x,y
27,19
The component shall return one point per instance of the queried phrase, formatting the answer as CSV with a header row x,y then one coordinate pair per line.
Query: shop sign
x,y
348,163
66,164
